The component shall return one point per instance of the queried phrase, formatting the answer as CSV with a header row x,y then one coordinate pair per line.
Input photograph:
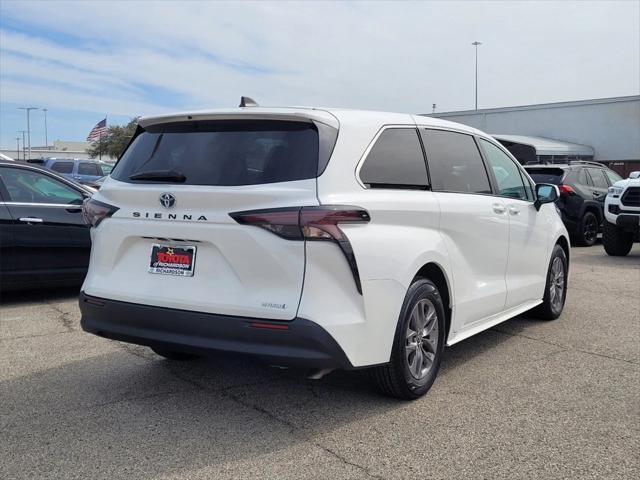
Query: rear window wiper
x,y
159,176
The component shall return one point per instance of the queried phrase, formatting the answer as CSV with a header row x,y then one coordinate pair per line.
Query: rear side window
x,y
395,161
455,164
87,168
240,152
546,175
584,178
62,167
598,178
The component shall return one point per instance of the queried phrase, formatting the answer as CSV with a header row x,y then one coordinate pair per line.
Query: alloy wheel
x,y
557,283
590,231
421,339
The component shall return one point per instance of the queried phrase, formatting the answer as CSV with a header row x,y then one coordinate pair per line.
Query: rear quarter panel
x,y
401,237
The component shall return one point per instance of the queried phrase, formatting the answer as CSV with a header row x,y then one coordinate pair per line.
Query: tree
x,y
114,141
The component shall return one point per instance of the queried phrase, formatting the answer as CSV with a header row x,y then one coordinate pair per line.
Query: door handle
x,y
498,208
31,220
514,210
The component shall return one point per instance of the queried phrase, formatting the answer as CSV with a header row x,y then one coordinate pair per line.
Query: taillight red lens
x,y
321,223
310,223
93,211
565,189
284,222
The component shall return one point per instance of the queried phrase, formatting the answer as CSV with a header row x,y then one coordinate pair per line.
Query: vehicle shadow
x,y
129,407
44,294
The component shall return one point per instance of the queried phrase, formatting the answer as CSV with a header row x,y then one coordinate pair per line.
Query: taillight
x,y
93,211
284,222
565,189
310,223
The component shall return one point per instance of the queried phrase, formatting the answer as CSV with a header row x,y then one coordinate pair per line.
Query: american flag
x,y
97,131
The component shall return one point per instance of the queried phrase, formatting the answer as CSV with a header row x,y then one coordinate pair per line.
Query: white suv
x,y
622,216
319,238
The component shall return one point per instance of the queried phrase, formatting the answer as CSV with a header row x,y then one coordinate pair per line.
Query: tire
x,y
410,375
173,355
552,305
587,231
616,242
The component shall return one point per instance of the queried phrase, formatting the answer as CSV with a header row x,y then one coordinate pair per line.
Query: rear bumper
x,y
303,343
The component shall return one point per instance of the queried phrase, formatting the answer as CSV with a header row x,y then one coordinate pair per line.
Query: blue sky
x,y
85,60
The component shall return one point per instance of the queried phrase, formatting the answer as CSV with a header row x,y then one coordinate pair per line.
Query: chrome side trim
x,y
45,205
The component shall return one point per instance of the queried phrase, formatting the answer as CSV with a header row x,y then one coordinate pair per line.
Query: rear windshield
x,y
546,175
229,153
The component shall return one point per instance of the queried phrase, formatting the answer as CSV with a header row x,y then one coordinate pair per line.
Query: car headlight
x,y
615,190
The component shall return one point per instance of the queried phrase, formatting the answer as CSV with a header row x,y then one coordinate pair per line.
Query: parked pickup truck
x,y
622,216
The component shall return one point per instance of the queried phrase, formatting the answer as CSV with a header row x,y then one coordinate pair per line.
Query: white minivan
x,y
321,238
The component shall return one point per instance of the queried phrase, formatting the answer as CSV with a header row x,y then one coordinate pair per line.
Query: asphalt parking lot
x,y
526,399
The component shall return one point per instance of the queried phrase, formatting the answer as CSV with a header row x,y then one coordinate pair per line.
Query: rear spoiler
x,y
255,113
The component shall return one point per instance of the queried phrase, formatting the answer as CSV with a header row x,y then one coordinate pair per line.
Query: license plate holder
x,y
176,260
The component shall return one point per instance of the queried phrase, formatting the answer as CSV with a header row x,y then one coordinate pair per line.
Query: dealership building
x,y
605,130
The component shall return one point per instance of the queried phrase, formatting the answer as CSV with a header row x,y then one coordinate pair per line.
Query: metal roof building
x,y
530,149
606,130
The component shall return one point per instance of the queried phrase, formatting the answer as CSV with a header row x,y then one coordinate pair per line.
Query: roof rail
x,y
586,162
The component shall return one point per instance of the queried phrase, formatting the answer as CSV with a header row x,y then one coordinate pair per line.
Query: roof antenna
x,y
248,102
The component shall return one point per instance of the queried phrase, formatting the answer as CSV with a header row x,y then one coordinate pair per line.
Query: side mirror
x,y
545,193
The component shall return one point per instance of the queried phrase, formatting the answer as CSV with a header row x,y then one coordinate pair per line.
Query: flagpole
x,y
105,127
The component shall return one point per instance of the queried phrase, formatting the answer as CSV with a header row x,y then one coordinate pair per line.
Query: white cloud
x,y
395,56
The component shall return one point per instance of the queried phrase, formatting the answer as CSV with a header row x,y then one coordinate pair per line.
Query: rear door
x,y
6,237
49,236
175,187
473,222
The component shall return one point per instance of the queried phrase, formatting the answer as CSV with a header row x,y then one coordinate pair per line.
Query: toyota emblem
x,y
167,200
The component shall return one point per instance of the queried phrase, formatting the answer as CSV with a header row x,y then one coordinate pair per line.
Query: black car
x,y
583,188
43,240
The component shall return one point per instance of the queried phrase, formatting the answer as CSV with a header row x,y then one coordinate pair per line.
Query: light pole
x,y
23,144
433,108
46,138
18,147
475,44
28,109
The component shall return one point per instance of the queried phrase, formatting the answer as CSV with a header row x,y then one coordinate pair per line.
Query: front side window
x,y
27,186
395,161
455,164
507,174
88,168
599,180
613,176
62,167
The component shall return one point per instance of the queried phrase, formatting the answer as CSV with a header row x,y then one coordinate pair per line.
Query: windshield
x,y
240,152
